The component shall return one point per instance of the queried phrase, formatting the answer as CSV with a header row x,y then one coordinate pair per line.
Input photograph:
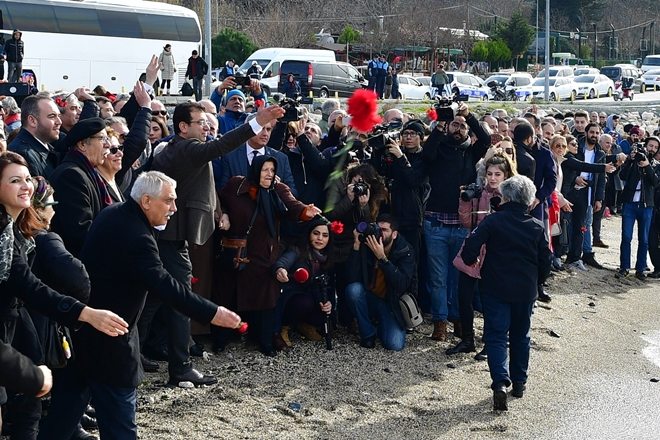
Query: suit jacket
x,y
41,160
121,256
18,373
77,192
188,162
236,164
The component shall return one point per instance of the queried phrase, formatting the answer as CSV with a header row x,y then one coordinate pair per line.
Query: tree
x,y
480,51
231,44
517,35
349,35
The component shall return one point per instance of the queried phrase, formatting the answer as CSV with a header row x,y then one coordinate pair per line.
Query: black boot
x,y
465,346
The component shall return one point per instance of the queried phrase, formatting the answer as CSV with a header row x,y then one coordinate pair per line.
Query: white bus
x,y
74,43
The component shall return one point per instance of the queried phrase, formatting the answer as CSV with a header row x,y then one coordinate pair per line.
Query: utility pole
x,y
611,40
595,44
536,60
207,43
579,45
546,86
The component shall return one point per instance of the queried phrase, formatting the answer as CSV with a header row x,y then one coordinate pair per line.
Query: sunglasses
x,y
113,150
159,112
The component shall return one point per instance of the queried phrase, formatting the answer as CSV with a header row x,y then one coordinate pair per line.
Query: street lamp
x,y
579,45
595,43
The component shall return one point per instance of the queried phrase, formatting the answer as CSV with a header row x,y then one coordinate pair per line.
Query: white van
x,y
270,60
651,62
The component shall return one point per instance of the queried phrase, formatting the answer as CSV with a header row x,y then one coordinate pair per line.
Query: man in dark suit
x,y
187,159
123,239
238,161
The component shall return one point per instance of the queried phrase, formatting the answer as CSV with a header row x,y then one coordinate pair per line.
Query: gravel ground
x,y
590,380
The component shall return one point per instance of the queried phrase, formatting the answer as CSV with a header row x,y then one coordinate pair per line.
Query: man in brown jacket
x,y
187,160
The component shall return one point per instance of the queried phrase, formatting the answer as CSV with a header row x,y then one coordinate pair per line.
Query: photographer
x,y
233,100
641,172
400,163
381,269
450,161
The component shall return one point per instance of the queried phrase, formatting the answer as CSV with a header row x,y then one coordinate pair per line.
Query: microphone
x,y
301,275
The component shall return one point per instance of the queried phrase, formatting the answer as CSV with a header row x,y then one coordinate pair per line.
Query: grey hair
x,y
518,189
329,106
150,183
10,105
115,120
69,98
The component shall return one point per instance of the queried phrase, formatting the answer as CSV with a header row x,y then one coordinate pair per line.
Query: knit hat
x,y
636,130
232,92
416,125
83,130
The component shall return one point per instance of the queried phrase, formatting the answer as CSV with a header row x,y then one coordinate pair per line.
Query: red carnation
x,y
194,280
337,227
242,328
258,103
363,108
60,102
431,114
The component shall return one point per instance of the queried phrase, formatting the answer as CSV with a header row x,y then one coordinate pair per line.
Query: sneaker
x,y
557,264
578,265
544,297
640,276
622,273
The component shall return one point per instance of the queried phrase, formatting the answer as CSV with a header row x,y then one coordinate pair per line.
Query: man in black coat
x,y
196,70
517,260
122,258
14,52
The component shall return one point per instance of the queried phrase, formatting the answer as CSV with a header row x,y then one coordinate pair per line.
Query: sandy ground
x,y
593,381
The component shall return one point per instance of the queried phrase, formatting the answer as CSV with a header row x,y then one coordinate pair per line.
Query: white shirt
x,y
589,157
249,152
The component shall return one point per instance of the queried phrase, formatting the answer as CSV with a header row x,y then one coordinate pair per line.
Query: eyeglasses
x,y
104,139
113,150
408,133
202,122
159,112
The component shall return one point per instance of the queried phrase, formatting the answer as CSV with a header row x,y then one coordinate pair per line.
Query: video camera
x,y
446,107
383,133
292,110
368,229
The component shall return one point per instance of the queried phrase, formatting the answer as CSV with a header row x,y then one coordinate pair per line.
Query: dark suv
x,y
617,73
322,78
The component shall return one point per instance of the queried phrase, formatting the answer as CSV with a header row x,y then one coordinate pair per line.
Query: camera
x,y
368,229
471,191
641,154
360,188
383,133
446,107
292,110
242,80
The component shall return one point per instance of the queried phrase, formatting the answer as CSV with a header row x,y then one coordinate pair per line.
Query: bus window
x,y
158,27
36,18
119,24
81,21
188,29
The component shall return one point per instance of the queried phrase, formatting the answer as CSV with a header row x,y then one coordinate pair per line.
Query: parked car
x,y
322,78
469,85
520,82
557,71
593,86
410,88
651,62
619,71
560,88
652,79
586,71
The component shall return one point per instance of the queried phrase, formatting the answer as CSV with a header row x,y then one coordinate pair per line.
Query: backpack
x,y
187,90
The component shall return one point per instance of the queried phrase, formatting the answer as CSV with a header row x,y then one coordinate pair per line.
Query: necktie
x,y
255,153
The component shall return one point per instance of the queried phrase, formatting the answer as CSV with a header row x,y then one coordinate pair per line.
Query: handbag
x,y
58,347
239,259
412,314
473,270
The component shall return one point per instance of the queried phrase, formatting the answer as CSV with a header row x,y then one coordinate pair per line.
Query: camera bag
x,y
412,314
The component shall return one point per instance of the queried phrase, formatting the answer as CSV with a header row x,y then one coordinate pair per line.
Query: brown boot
x,y
439,331
458,330
284,334
309,332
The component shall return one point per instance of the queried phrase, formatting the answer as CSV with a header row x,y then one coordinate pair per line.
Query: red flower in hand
x,y
194,280
363,108
337,227
242,328
60,102
431,114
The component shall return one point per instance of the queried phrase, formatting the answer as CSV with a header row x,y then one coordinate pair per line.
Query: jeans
x,y
442,244
588,223
197,87
504,322
364,305
14,71
115,411
634,211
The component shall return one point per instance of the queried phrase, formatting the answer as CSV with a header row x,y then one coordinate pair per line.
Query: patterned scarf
x,y
104,195
6,250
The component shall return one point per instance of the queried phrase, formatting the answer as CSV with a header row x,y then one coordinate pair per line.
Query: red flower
x,y
242,328
337,227
431,114
194,280
363,108
60,102
258,103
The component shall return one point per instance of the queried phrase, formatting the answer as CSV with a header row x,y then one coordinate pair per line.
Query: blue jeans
x,y
588,223
197,87
634,211
115,411
504,322
442,244
366,305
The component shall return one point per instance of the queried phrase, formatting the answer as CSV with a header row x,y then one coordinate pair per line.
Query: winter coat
x,y
167,65
197,68
14,50
41,160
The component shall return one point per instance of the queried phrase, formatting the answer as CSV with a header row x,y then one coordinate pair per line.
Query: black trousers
x,y
654,240
466,292
579,200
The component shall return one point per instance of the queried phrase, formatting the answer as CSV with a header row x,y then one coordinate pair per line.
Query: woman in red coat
x,y
255,205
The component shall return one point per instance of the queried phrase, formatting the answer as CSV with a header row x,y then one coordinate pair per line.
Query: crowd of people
x,y
120,220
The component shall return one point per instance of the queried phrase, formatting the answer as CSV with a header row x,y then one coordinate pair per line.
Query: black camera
x,y
292,108
444,108
383,133
641,153
471,191
360,188
242,80
368,229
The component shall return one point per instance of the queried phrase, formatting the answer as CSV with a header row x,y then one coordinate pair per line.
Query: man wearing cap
x,y
233,100
78,186
196,70
634,135
226,71
187,160
40,119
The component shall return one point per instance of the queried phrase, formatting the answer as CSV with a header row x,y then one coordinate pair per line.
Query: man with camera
x,y
450,161
380,270
641,172
233,100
